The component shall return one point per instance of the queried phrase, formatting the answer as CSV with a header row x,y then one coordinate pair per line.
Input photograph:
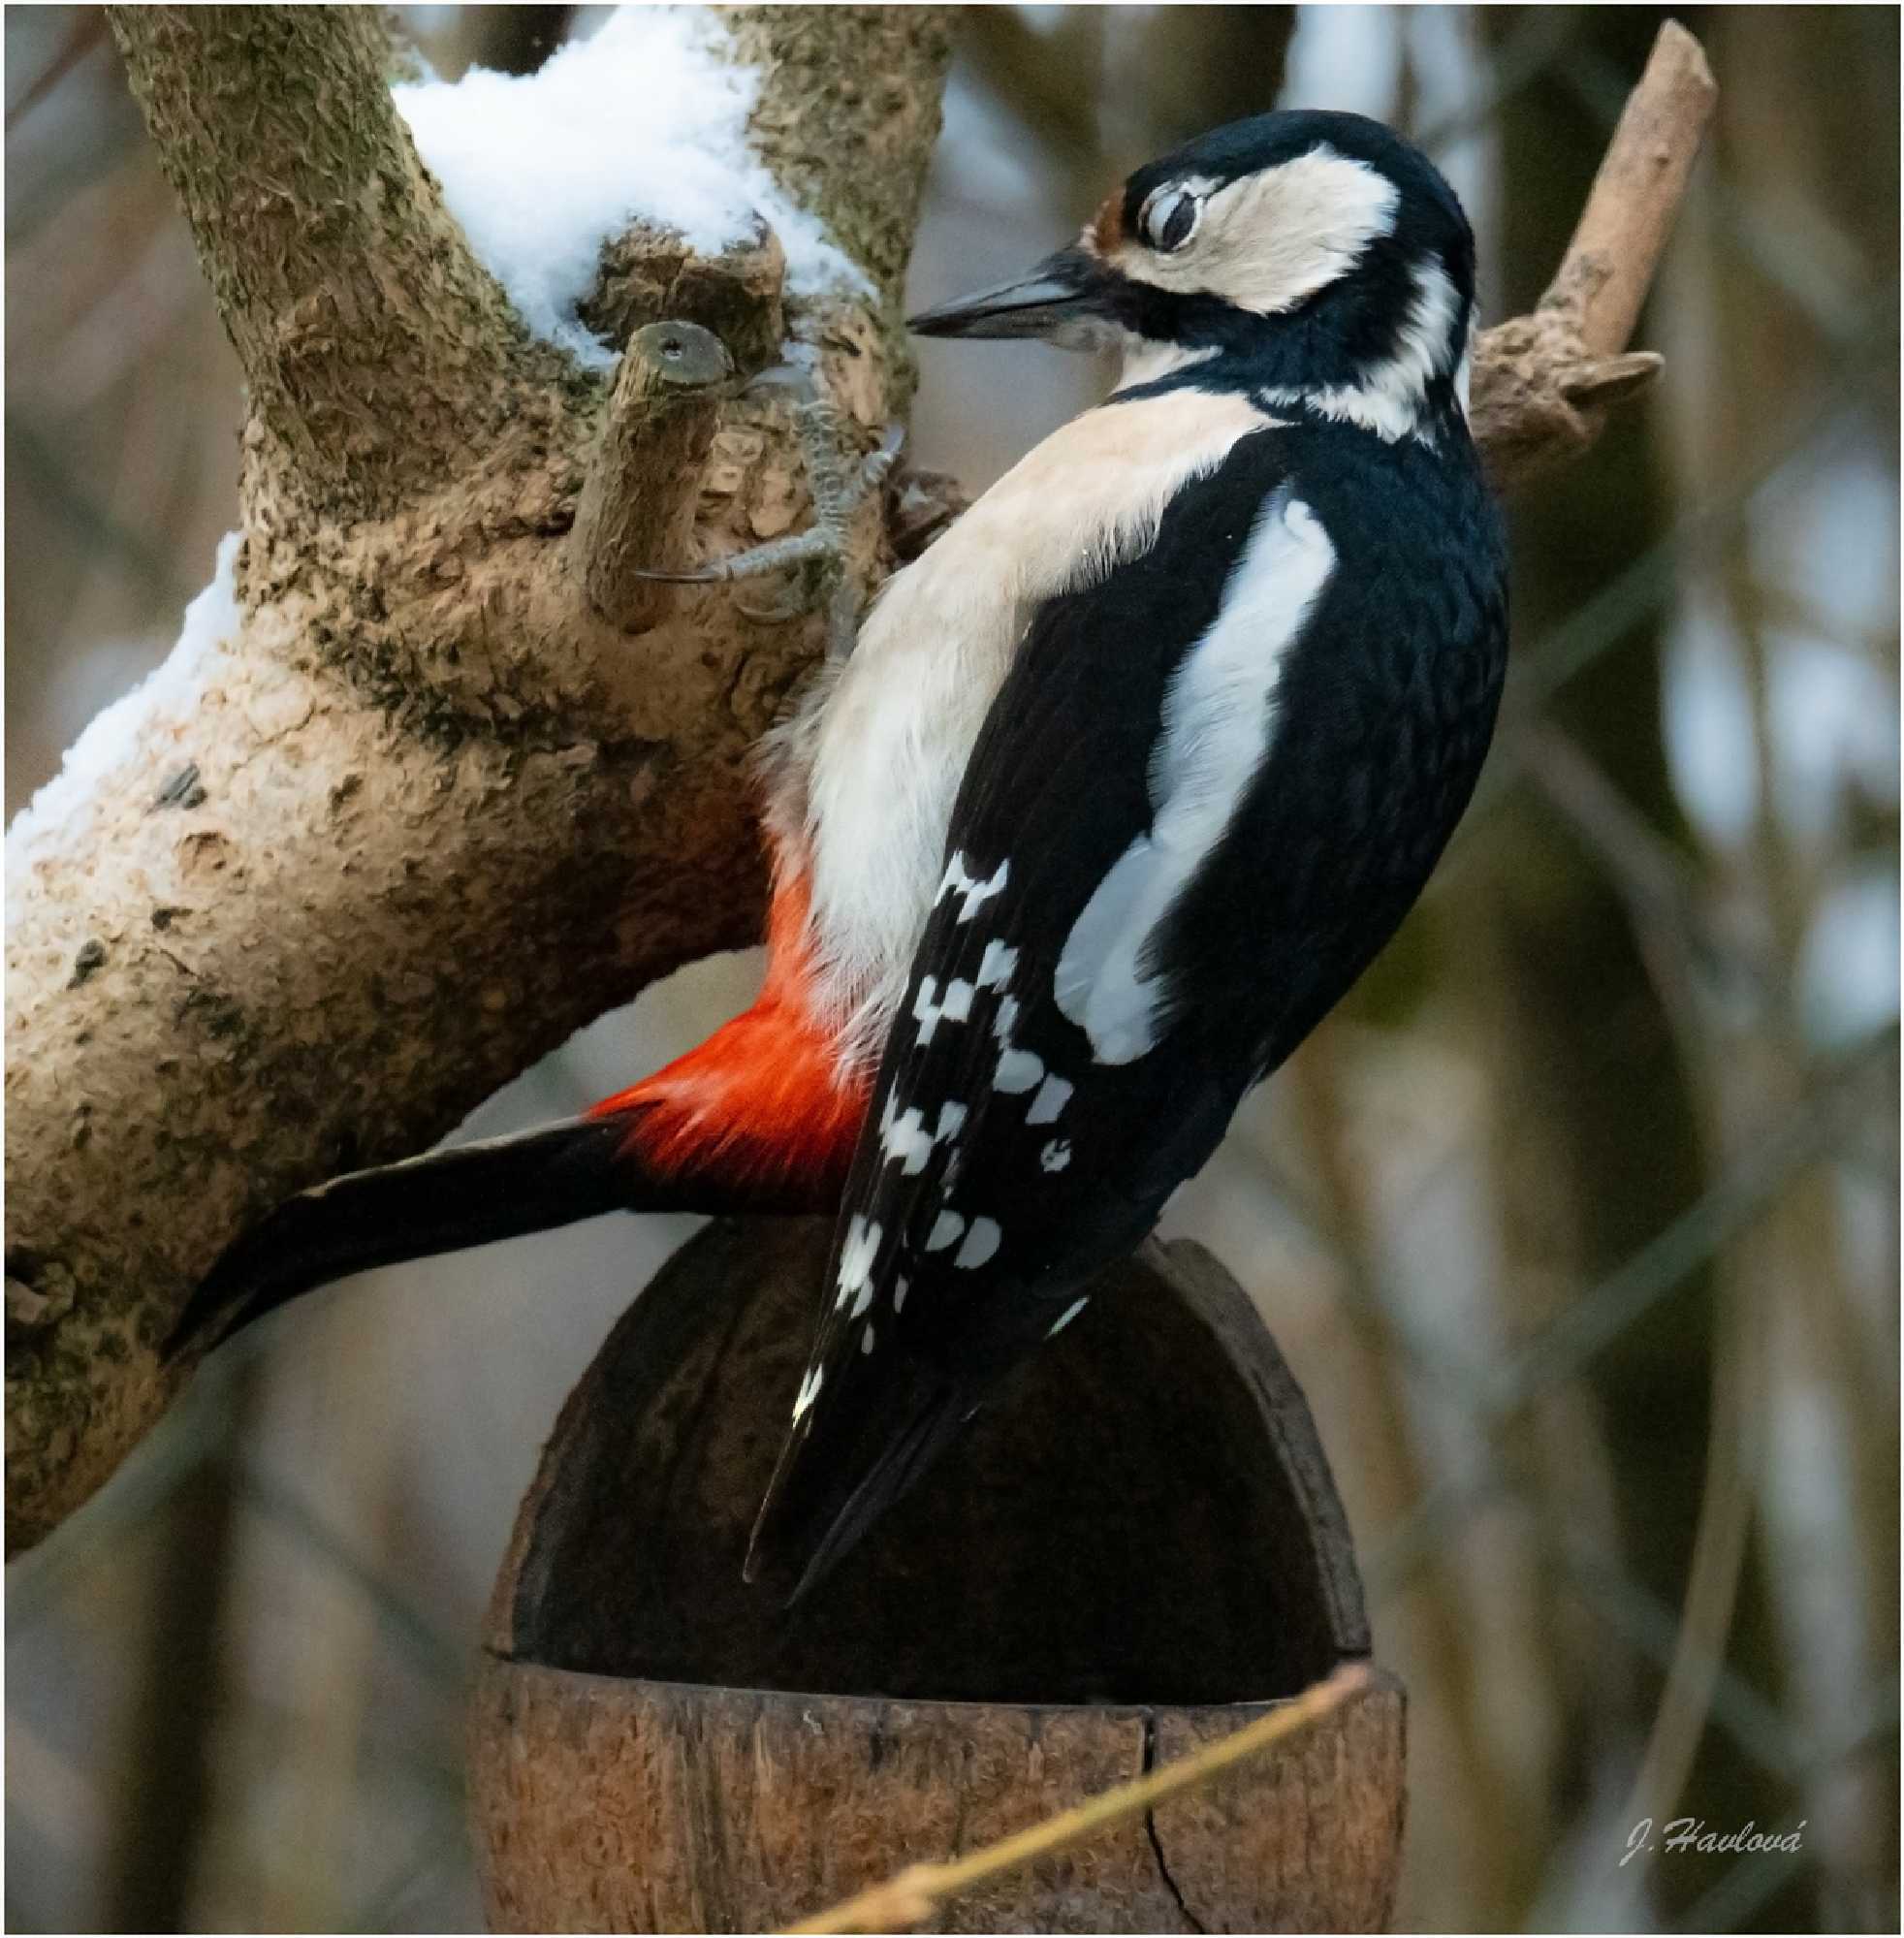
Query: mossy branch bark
x,y
440,810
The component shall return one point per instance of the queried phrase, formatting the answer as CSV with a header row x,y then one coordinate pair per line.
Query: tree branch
x,y
440,813
375,348
659,429
1543,383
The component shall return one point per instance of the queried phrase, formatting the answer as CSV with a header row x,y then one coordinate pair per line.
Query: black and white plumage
x,y
1123,784
1236,638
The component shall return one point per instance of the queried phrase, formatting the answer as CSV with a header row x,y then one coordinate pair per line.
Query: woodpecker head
x,y
1307,253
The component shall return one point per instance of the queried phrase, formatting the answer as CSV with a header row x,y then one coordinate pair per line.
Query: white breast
x,y
870,769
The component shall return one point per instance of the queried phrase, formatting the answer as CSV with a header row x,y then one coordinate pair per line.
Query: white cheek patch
x,y
1269,240
1216,730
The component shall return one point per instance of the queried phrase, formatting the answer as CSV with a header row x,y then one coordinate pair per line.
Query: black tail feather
x,y
833,1483
443,1202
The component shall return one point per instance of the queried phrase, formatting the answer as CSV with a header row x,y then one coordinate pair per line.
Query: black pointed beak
x,y
1060,299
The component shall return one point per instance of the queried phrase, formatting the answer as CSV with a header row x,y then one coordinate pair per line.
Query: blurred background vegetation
x,y
1578,1221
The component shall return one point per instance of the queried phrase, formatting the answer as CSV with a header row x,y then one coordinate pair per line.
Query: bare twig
x,y
1630,212
1543,383
637,505
919,1890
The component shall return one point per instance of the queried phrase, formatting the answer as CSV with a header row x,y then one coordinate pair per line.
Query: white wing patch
x,y
856,1259
905,1140
1219,718
864,777
981,1243
973,894
929,1007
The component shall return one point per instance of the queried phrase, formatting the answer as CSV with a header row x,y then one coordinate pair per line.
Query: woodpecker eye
x,y
1169,218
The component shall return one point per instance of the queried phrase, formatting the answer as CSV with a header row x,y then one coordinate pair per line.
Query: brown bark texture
x,y
427,811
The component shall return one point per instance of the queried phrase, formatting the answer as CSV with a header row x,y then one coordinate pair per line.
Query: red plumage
x,y
764,1104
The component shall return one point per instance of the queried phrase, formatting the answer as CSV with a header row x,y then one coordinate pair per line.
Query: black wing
x,y
1011,1150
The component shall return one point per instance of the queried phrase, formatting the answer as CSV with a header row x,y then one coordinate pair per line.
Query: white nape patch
x,y
1269,240
809,1392
1056,1154
1389,396
645,122
55,823
946,1227
1018,1071
856,1259
1064,1318
905,1140
1219,716
1054,1093
972,892
928,1008
996,970
980,1246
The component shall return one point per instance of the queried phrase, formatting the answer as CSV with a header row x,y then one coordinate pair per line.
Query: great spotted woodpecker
x,y
1125,782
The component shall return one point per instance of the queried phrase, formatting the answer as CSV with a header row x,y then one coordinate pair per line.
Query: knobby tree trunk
x,y
450,784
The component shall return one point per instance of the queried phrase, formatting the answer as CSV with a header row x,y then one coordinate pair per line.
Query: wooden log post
x,y
1140,1551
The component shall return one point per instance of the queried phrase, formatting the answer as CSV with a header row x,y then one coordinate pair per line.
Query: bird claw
x,y
838,494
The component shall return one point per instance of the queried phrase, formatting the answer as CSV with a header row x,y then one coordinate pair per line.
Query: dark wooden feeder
x,y
1137,1553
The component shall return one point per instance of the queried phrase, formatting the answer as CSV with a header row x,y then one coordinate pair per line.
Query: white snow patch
x,y
160,703
646,121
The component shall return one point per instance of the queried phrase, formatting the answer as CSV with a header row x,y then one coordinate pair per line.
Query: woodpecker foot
x,y
839,487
